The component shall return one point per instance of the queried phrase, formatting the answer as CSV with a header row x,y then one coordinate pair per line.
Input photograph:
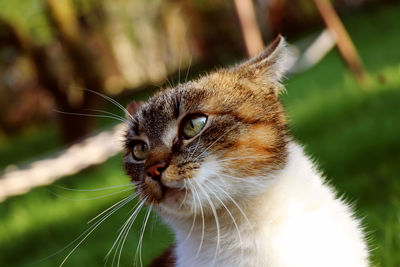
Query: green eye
x,y
193,125
140,150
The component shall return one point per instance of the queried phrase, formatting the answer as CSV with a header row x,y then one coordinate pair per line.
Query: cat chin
x,y
172,184
173,210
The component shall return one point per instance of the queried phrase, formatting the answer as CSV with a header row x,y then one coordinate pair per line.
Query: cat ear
x,y
133,107
270,65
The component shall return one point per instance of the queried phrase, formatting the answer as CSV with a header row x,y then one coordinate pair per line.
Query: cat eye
x,y
140,150
192,125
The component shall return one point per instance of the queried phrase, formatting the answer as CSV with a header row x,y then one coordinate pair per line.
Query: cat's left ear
x,y
270,65
133,107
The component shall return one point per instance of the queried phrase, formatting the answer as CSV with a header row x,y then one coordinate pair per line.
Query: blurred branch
x,y
248,24
87,72
314,52
343,40
91,151
65,24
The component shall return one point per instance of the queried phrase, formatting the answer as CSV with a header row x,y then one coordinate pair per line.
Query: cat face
x,y
212,140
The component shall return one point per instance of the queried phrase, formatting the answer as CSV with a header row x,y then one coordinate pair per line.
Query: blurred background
x,y
59,170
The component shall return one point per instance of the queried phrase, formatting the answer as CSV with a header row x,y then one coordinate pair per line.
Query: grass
x,y
351,133
42,222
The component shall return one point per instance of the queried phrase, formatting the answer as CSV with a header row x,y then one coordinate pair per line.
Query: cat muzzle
x,y
156,170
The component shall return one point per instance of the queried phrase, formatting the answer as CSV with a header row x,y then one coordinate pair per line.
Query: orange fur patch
x,y
253,149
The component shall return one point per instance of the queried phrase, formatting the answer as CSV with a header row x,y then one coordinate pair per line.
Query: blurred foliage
x,y
52,50
352,134
27,15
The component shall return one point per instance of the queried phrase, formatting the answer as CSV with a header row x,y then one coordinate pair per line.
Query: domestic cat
x,y
215,159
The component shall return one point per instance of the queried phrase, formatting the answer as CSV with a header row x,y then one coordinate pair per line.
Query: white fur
x,y
296,220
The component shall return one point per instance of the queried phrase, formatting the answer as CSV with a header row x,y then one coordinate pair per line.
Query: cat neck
x,y
240,239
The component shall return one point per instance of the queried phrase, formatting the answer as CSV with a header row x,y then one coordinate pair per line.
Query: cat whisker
x,y
130,211
93,198
240,179
101,213
230,214
179,68
236,158
168,81
202,218
233,201
195,212
129,228
214,211
110,113
125,231
111,101
95,189
194,149
77,238
213,143
121,231
117,241
139,248
187,71
186,191
90,115
94,226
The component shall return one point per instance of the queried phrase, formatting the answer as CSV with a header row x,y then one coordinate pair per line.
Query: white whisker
x,y
202,218
117,241
112,101
109,113
186,191
89,115
230,214
240,179
179,68
190,64
93,198
214,211
95,189
166,78
128,197
121,230
139,248
93,227
195,212
233,201
129,228
213,143
195,148
235,158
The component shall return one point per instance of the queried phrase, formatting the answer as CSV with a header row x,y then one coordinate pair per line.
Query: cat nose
x,y
156,169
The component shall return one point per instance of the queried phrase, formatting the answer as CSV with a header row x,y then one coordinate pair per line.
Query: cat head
x,y
215,139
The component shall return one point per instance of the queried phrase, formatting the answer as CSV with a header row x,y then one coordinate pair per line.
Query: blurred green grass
x,y
353,135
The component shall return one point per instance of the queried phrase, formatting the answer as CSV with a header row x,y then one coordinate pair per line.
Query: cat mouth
x,y
173,193
156,191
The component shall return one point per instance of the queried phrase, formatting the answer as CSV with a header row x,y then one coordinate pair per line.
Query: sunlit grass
x,y
44,221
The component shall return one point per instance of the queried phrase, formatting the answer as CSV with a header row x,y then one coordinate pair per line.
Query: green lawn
x,y
352,134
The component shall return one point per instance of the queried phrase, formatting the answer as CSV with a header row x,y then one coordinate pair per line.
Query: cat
x,y
215,159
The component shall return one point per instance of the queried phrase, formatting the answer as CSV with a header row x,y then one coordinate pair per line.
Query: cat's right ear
x,y
133,107
268,66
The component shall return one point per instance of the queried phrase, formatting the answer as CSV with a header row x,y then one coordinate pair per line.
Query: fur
x,y
295,221
241,192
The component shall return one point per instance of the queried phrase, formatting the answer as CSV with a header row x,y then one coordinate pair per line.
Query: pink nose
x,y
155,170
